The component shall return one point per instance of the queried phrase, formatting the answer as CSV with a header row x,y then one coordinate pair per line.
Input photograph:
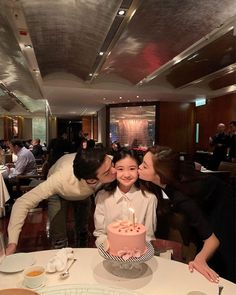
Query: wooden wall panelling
x,y
217,110
95,128
177,125
8,128
86,125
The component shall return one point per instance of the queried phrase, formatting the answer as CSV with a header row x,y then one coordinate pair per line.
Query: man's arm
x,y
23,204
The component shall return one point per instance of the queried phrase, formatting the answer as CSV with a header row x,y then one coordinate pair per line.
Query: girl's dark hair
x,y
87,162
119,155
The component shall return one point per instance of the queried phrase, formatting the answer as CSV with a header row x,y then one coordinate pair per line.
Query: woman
x,y
160,167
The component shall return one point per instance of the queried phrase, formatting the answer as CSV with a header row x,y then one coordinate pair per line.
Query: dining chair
x,y
228,166
230,169
32,180
161,245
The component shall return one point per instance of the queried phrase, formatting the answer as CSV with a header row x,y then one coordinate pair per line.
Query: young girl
x,y
115,201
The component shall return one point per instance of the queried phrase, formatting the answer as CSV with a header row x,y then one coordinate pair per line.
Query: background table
x,y
160,276
4,195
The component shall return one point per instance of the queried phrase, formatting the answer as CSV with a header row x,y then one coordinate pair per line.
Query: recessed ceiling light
x,y
144,99
120,97
104,98
121,12
90,74
128,100
101,53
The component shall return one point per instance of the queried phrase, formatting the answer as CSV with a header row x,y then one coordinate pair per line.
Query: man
x,y
37,149
24,165
219,142
73,177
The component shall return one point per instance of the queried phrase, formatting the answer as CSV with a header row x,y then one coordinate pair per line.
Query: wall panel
x,y
177,126
217,110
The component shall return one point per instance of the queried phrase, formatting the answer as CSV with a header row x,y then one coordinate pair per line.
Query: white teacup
x,y
34,277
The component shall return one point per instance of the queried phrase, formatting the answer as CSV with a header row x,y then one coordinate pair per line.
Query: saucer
x,y
196,293
17,291
22,285
16,262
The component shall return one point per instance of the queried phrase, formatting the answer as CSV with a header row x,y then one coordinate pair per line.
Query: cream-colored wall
x,y
52,127
102,125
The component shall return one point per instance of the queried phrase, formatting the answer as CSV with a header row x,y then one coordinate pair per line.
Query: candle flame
x,y
131,210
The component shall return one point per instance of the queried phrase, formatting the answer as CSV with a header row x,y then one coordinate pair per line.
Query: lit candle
x,y
133,216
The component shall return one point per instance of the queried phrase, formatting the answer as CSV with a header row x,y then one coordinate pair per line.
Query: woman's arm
x,y
200,261
197,220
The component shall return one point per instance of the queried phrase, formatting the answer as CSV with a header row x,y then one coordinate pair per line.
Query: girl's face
x,y
146,170
127,172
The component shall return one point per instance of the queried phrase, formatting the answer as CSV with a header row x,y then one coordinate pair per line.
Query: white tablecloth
x,y
4,195
159,276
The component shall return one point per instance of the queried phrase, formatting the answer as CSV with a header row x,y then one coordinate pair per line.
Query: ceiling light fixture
x,y
101,53
193,56
28,46
121,12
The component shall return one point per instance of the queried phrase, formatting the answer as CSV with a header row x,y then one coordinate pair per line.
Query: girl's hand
x,y
201,266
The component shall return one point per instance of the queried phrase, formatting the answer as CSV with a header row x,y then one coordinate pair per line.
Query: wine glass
x,y
2,248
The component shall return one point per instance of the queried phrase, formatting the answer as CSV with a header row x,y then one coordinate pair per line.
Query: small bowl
x,y
34,277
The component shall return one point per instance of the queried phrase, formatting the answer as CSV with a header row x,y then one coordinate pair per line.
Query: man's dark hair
x,y
17,142
87,162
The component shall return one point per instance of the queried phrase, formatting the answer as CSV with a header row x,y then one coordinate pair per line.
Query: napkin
x,y
167,254
59,261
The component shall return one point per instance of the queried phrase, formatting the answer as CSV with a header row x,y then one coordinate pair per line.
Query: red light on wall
x,y
23,32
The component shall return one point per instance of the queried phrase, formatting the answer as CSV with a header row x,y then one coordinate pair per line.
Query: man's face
x,y
221,128
106,173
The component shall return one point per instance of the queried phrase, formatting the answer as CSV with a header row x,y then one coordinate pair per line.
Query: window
x,y
39,128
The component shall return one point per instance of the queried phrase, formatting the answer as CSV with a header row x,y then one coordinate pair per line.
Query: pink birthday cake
x,y
126,240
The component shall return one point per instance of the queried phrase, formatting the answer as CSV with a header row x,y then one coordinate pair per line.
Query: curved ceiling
x,y
82,54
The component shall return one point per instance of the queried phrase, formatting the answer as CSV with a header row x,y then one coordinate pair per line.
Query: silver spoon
x,y
220,289
65,274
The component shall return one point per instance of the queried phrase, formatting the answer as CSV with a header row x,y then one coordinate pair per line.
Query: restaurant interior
x,y
140,73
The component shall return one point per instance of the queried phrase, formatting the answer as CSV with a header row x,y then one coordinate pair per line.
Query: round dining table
x,y
157,276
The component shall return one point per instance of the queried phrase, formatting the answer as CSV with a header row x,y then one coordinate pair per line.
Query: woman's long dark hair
x,y
173,172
